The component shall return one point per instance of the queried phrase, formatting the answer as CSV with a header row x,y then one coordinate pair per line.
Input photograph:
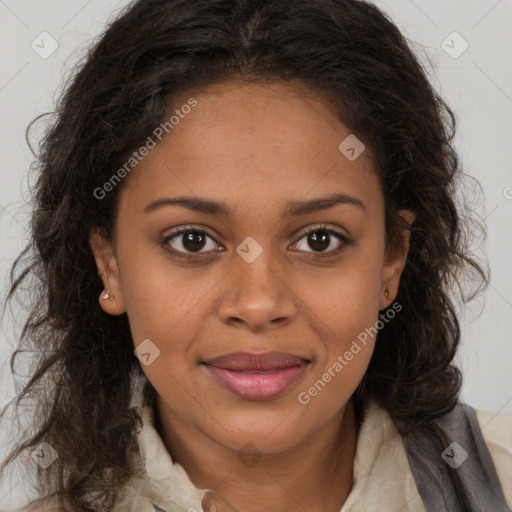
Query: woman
x,y
247,241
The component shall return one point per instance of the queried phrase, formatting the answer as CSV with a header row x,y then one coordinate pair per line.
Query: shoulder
x,y
497,433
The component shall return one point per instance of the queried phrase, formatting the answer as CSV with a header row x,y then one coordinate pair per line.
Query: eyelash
x,y
342,238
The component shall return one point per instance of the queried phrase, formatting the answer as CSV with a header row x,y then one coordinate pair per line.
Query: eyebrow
x,y
294,208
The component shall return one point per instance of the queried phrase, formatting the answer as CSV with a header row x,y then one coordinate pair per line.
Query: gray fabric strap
x,y
467,454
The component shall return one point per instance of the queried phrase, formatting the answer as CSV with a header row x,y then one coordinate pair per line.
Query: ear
x,y
108,270
395,260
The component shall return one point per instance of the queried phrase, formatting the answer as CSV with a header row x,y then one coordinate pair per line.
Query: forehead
x,y
238,118
253,142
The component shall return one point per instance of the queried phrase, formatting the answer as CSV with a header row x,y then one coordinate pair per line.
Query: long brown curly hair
x,y
347,50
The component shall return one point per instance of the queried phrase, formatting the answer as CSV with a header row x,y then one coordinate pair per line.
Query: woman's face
x,y
264,158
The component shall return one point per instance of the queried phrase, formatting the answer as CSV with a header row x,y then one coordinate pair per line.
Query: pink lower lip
x,y
257,385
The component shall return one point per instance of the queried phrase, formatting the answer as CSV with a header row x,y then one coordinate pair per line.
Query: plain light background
x,y
476,82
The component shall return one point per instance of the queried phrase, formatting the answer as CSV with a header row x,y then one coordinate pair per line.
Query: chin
x,y
264,437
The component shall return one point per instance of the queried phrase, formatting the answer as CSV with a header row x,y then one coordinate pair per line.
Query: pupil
x,y
193,240
321,241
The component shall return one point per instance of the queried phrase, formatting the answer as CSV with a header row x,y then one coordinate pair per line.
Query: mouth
x,y
257,376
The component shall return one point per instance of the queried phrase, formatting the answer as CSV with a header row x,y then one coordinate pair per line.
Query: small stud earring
x,y
386,293
106,295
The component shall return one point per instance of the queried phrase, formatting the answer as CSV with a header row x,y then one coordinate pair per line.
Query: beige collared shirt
x,y
382,478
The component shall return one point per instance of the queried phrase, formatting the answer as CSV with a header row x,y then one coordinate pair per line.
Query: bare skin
x,y
255,148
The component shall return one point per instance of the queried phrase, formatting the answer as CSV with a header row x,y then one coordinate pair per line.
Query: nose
x,y
257,294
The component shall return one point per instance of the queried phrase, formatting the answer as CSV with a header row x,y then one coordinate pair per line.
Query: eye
x,y
321,238
187,242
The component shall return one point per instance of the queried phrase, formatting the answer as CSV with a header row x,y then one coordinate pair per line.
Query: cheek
x,y
345,311
160,298
346,300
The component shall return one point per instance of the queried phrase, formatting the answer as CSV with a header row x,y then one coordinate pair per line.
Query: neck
x,y
315,475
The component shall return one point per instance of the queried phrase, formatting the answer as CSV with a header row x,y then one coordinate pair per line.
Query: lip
x,y
257,376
